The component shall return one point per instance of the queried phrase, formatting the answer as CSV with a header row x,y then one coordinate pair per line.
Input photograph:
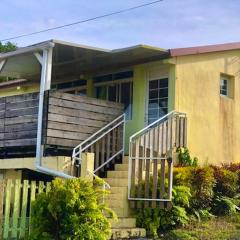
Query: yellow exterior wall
x,y
11,91
213,120
12,174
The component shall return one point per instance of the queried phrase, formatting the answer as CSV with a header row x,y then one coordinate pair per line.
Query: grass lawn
x,y
221,228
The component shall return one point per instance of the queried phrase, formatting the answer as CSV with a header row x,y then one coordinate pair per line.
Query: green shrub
x,y
233,167
156,219
182,176
70,210
184,158
224,206
226,182
181,196
202,214
203,182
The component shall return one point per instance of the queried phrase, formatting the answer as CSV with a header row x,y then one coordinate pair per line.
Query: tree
x,y
7,47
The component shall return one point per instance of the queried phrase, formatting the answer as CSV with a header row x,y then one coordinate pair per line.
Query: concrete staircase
x,y
125,228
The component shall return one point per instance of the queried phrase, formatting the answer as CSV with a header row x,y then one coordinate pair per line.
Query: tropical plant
x,y
184,158
226,182
71,210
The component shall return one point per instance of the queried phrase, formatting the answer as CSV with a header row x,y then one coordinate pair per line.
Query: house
x,y
131,107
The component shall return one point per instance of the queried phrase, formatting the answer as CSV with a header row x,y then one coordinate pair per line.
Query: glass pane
x,y
101,92
153,113
162,112
153,94
163,93
163,83
163,103
126,98
112,93
153,103
153,84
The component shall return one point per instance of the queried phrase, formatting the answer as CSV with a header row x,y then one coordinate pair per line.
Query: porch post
x,y
46,63
2,63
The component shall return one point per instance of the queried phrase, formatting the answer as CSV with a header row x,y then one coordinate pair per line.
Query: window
x,y
116,87
77,87
226,85
157,99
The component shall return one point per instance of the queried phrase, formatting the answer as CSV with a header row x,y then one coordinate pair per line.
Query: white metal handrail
x,y
158,121
90,141
151,145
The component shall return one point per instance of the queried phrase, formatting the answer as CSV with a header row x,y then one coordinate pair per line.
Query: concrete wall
x,y
213,120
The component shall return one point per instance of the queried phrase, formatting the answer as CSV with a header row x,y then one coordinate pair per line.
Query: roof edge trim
x,y
29,49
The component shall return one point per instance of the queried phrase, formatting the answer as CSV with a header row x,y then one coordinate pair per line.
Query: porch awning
x,y
71,59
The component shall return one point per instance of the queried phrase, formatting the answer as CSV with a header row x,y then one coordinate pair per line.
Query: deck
x,y
68,120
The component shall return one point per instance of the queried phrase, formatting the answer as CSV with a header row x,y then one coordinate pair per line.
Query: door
x,y
157,105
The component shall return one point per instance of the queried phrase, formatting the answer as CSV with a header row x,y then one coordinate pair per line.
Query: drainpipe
x,y
44,85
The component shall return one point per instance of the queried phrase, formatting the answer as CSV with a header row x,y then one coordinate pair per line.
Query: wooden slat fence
x,y
72,118
67,121
16,199
18,120
151,160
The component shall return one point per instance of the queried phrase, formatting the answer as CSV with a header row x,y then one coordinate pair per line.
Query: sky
x,y
167,24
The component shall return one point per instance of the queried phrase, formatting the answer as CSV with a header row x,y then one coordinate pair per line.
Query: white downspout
x,y
46,63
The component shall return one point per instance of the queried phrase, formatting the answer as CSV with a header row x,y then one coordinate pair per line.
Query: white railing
x,y
107,144
150,158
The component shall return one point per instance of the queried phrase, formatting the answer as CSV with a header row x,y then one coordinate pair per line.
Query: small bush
x,y
182,176
203,182
70,210
184,158
156,219
233,167
224,206
181,196
226,182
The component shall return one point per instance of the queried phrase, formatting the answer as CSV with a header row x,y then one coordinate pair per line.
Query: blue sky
x,y
168,24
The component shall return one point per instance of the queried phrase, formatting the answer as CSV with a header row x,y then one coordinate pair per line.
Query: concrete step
x,y
127,233
115,196
122,190
116,182
121,167
117,203
117,174
125,160
123,212
124,223
118,190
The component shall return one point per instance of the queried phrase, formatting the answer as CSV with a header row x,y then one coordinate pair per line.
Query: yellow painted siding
x,y
17,91
13,174
213,120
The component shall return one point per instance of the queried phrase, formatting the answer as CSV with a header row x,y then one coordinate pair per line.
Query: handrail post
x,y
158,151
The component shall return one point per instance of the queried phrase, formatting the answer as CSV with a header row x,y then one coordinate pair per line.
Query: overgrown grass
x,y
219,228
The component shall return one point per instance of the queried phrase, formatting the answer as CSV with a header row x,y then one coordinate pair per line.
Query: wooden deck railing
x,y
150,156
68,120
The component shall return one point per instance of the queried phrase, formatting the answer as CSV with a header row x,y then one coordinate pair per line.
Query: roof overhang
x,y
75,59
175,52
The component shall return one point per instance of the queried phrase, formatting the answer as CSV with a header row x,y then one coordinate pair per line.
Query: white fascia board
x,y
24,50
80,46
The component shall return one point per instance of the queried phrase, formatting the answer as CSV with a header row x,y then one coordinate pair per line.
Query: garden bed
x,y
220,228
